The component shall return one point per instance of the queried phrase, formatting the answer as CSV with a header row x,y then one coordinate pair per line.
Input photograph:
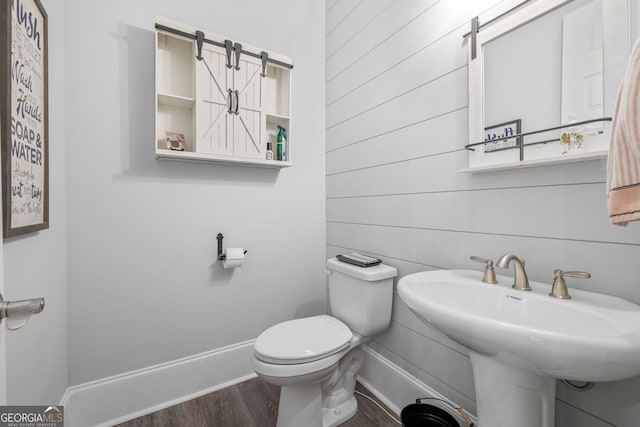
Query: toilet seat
x,y
302,340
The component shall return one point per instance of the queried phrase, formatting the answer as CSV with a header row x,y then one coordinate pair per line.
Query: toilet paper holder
x,y
221,255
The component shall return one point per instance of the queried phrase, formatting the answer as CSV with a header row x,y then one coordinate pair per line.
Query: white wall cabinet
x,y
222,103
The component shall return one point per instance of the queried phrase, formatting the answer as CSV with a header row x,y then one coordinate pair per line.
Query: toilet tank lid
x,y
370,274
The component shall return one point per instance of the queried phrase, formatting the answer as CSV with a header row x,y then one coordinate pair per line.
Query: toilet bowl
x,y
315,359
303,356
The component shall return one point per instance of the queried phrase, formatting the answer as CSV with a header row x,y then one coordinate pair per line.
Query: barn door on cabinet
x,y
229,117
248,119
213,102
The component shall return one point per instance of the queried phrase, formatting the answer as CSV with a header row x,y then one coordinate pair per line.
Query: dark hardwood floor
x,y
252,403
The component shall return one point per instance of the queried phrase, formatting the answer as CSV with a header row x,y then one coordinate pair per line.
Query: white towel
x,y
623,166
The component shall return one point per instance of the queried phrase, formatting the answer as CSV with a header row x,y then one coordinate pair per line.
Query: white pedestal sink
x,y
521,342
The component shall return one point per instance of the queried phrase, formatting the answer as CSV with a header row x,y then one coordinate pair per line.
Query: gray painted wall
x,y
35,264
144,284
139,283
397,120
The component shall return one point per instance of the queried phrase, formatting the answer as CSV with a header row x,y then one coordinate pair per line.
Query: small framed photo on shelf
x,y
175,141
500,137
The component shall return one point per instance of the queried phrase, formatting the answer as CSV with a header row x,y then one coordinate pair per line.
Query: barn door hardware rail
x,y
229,47
476,27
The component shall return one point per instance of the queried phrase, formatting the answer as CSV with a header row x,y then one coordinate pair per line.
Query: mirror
x,y
549,64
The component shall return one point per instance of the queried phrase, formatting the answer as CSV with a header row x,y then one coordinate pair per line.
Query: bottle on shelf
x,y
269,151
280,141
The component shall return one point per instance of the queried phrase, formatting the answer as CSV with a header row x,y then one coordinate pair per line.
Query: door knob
x,y
18,312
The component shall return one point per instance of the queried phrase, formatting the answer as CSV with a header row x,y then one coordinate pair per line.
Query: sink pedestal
x,y
507,396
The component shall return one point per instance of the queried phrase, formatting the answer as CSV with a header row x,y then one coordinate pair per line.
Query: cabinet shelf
x,y
569,158
272,123
221,113
276,118
216,158
597,142
175,100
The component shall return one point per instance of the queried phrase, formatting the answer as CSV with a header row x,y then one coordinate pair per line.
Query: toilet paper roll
x,y
234,258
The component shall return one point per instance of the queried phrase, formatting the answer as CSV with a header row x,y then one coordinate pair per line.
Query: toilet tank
x,y
361,297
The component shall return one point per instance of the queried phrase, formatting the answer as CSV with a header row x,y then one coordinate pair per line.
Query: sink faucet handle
x,y
576,274
559,288
489,272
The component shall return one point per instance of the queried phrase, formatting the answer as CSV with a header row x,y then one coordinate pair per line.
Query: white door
x,y
248,119
214,100
229,119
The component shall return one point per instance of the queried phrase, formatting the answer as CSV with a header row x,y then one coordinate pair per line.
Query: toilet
x,y
315,360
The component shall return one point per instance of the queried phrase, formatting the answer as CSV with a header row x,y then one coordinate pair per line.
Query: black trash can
x,y
425,415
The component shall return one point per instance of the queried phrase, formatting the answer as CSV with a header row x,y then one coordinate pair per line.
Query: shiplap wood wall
x,y
397,120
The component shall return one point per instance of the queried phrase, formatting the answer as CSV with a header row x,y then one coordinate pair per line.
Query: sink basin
x,y
592,337
527,339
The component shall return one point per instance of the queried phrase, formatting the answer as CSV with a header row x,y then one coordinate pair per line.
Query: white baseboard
x,y
395,387
123,397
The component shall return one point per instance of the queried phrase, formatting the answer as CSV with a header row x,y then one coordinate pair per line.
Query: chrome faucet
x,y
520,280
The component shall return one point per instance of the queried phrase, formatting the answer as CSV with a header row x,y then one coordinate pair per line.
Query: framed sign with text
x,y
24,121
499,137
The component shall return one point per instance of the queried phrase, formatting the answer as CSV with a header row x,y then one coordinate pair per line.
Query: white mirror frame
x,y
480,163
